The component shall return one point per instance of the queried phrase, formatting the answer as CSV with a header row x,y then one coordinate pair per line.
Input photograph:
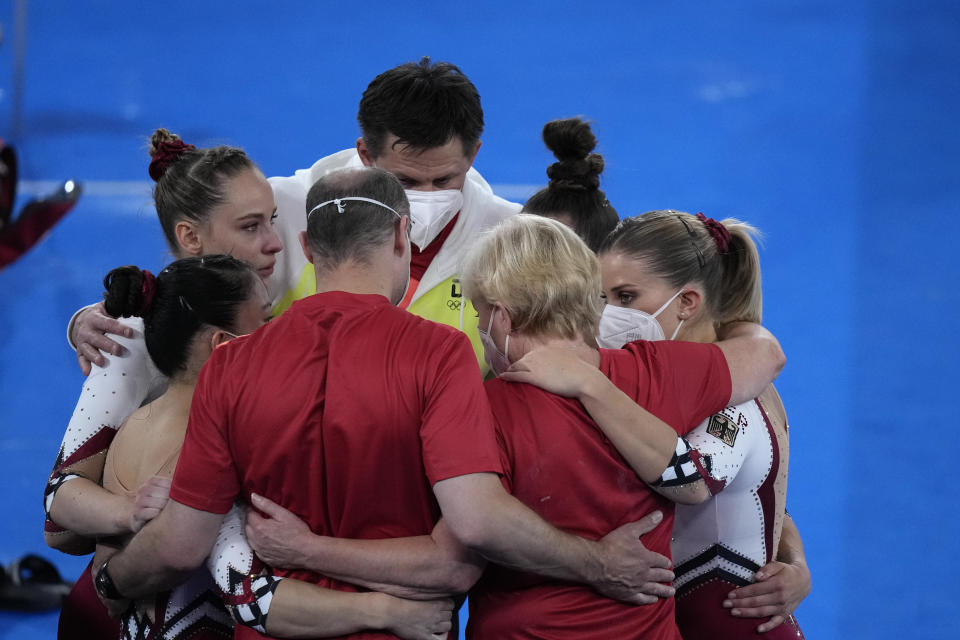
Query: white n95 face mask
x,y
497,360
430,211
620,325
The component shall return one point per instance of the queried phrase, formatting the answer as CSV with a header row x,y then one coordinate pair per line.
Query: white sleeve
x,y
109,395
245,583
724,440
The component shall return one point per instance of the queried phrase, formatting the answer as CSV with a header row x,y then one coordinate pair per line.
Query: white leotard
x,y
735,532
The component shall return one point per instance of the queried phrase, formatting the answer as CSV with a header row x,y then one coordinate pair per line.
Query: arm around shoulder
x,y
754,357
87,335
649,445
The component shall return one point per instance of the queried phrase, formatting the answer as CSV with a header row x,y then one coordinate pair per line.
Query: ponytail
x,y
740,297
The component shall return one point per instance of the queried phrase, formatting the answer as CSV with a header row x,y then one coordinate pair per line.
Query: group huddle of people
x,y
365,391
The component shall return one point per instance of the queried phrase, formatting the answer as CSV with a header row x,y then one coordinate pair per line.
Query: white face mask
x,y
430,211
497,360
620,325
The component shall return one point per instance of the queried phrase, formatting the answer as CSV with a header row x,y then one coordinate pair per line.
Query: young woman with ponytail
x,y
697,277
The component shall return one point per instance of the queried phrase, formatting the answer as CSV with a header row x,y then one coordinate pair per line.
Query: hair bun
x,y
571,140
165,149
129,292
159,136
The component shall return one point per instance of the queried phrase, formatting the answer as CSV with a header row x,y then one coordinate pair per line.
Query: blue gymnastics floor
x,y
829,125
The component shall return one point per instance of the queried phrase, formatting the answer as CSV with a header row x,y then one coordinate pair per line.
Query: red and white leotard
x,y
721,543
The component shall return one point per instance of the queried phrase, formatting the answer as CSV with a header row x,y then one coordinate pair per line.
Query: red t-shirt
x,y
558,462
345,410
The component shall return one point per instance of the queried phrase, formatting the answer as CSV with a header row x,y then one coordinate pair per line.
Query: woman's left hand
x,y
778,590
277,539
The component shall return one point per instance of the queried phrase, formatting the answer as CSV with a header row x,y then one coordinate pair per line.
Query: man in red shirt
x,y
364,420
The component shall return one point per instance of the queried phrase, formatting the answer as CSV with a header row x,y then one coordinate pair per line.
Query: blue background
x,y
829,125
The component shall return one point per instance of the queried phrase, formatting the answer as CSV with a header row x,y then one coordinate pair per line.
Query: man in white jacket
x,y
422,122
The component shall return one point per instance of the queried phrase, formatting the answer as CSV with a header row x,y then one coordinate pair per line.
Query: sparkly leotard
x,y
721,543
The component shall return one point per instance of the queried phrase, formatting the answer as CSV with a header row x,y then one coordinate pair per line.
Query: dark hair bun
x,y
571,140
124,291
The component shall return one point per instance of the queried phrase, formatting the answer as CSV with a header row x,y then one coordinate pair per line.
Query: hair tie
x,y
148,290
166,154
574,175
568,184
719,233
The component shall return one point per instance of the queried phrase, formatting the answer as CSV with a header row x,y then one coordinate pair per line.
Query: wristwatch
x,y
104,584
